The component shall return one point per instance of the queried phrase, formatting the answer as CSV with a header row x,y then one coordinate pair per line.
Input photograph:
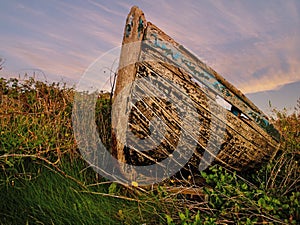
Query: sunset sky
x,y
254,44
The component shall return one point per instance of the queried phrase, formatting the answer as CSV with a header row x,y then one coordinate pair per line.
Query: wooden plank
x,y
240,144
193,90
165,49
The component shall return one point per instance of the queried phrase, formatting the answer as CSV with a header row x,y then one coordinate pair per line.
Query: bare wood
x,y
131,47
133,35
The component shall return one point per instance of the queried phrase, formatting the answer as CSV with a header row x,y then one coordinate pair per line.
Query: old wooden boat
x,y
170,105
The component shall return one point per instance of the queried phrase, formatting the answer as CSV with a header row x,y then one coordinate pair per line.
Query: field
x,y
44,180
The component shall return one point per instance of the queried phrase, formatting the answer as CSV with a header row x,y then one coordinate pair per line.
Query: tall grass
x,y
44,180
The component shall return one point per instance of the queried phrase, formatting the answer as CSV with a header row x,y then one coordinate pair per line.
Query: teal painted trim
x,y
209,80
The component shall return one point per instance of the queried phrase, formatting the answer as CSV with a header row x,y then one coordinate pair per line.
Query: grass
x,y
47,197
44,180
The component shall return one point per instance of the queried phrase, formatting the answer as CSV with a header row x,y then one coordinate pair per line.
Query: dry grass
x,y
36,133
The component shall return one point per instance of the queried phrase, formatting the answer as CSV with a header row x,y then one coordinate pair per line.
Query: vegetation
x,y
44,180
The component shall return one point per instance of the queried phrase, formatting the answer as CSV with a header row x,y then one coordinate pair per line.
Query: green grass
x,y
44,180
49,198
40,194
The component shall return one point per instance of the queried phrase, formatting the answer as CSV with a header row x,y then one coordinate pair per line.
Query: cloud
x,y
64,44
263,65
253,44
47,57
237,39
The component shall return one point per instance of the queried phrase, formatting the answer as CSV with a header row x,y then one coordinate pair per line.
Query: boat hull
x,y
168,109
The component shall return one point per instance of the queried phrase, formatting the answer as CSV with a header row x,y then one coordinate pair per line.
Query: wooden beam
x,y
130,52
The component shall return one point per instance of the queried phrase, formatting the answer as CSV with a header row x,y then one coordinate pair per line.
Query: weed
x,y
44,180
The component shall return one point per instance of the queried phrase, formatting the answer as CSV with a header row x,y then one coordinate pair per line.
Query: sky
x,y
255,45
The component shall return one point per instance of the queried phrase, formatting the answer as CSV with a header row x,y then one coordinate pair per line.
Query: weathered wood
x,y
131,48
241,143
159,46
164,66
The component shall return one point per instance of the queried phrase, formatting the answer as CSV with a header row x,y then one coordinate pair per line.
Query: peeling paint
x,y
178,59
140,27
129,25
177,76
